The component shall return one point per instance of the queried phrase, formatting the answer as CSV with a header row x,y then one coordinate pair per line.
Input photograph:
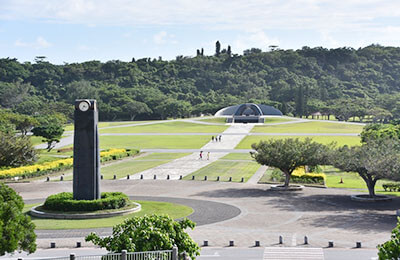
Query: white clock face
x,y
83,106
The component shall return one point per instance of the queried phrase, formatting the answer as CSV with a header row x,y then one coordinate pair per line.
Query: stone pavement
x,y
191,163
320,214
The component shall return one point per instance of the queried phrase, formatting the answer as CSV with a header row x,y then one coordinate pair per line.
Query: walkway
x,y
191,163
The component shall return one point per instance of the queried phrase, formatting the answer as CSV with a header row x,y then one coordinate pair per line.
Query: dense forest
x,y
344,82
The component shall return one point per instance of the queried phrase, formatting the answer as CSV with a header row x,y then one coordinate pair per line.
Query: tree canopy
x,y
345,82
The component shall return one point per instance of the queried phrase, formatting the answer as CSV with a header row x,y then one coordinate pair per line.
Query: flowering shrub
x,y
58,165
300,176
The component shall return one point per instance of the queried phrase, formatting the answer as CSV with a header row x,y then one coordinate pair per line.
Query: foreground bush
x,y
64,164
149,233
64,202
16,228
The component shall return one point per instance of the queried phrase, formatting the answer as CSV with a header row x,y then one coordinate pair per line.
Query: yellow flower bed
x,y
300,175
38,169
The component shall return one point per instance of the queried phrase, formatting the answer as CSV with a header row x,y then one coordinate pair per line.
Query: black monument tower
x,y
86,182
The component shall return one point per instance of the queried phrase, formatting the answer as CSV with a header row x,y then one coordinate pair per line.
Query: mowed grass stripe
x,y
237,156
309,127
225,169
162,156
154,141
271,120
340,140
170,127
70,127
173,210
129,167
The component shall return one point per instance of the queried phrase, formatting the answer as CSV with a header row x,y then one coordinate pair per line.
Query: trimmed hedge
x,y
64,202
391,186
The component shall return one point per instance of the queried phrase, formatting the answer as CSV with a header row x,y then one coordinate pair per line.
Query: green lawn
x,y
221,120
170,127
122,169
148,207
271,120
340,140
226,169
155,141
36,140
309,127
70,127
162,156
238,156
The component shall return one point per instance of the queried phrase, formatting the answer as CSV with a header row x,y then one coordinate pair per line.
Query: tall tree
x,y
217,48
374,160
289,154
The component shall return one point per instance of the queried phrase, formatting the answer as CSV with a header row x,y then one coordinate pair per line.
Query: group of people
x,y
216,138
201,155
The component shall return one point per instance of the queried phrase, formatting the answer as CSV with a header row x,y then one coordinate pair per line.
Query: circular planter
x,y
283,188
41,214
366,198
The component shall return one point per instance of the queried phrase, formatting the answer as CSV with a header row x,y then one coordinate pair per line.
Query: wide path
x,y
320,214
191,163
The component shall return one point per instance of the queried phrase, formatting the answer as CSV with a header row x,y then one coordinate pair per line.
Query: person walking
x,y
212,138
208,156
220,138
201,155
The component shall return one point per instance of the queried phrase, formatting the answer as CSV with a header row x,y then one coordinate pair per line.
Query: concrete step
x,y
293,253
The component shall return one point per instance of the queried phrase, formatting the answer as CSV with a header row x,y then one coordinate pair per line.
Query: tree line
x,y
343,82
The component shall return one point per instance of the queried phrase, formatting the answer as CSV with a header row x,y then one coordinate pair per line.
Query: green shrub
x,y
64,202
391,186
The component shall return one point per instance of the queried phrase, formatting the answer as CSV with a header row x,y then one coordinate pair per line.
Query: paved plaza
x,y
320,214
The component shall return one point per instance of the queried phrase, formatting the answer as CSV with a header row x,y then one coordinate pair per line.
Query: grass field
x,y
220,120
238,156
70,127
36,140
162,156
154,141
340,140
271,120
226,169
309,127
175,211
170,127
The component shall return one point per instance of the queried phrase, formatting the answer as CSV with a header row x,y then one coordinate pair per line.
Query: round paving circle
x,y
205,212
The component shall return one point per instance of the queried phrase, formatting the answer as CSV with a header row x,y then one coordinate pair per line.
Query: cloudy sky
x,y
80,30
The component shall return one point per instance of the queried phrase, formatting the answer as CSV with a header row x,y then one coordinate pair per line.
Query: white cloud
x,y
163,38
39,43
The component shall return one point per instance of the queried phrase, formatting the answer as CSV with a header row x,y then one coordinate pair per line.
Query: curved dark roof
x,y
249,108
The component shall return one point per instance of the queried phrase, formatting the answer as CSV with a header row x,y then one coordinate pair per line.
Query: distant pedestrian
x,y
212,138
208,156
220,138
201,155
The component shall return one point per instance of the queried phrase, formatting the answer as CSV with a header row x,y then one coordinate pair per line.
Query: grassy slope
x,y
155,141
170,127
340,140
309,127
225,169
70,127
148,207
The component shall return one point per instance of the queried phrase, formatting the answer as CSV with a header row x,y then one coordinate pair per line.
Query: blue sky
x,y
80,30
